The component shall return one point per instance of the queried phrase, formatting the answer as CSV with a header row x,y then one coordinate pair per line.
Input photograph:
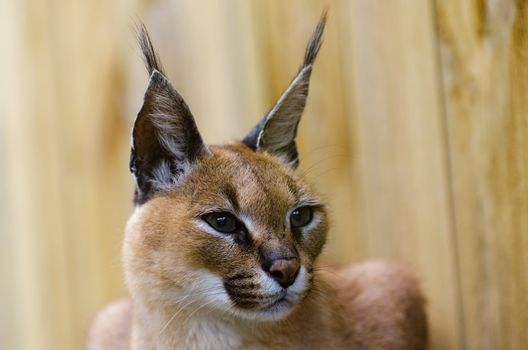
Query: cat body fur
x,y
221,250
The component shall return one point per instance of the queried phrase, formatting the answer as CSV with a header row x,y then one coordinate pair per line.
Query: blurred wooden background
x,y
416,131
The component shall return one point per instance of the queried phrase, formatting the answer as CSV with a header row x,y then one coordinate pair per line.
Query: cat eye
x,y
301,216
222,222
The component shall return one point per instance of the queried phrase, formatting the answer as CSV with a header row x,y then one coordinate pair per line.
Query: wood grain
x,y
403,164
67,187
485,78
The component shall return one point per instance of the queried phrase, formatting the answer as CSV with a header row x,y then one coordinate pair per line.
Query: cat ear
x,y
276,132
165,139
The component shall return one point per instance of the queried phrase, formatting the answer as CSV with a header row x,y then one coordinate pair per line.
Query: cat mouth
x,y
279,303
279,307
267,306
264,303
282,303
280,299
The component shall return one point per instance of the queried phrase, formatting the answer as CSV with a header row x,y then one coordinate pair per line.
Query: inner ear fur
x,y
165,138
276,132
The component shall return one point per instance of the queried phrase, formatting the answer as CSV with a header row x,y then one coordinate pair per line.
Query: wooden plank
x,y
67,182
41,292
96,190
404,173
485,78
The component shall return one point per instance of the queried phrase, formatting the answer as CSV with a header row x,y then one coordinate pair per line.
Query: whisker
x,y
175,314
197,309
180,309
320,162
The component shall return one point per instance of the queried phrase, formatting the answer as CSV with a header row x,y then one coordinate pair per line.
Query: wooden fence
x,y
416,132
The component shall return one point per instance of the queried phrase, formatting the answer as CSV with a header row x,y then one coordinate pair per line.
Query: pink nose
x,y
284,271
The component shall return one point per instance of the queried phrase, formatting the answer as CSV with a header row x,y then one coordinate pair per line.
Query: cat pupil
x,y
301,216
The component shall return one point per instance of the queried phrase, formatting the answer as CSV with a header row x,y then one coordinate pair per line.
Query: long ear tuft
x,y
276,132
150,56
165,140
315,42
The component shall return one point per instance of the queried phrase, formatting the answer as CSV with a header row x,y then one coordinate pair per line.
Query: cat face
x,y
241,232
232,228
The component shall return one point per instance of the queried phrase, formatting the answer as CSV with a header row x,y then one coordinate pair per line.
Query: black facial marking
x,y
240,276
245,304
296,233
241,286
243,295
231,194
292,187
243,239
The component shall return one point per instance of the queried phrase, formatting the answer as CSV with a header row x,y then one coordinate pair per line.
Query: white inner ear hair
x,y
163,179
166,121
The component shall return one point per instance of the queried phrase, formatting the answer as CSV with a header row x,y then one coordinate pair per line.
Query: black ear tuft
x,y
165,140
315,41
276,132
150,56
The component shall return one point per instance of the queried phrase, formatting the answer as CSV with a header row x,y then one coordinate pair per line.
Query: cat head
x,y
233,227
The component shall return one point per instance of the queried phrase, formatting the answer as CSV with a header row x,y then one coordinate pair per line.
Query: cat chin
x,y
276,312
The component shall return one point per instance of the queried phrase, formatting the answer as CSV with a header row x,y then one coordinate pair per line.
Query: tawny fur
x,y
374,305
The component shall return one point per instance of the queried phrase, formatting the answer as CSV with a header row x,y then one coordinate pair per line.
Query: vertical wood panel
x,y
485,81
401,140
68,188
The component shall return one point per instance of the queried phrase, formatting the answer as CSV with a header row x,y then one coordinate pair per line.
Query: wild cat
x,y
220,251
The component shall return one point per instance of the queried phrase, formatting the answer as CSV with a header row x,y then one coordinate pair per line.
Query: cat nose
x,y
284,271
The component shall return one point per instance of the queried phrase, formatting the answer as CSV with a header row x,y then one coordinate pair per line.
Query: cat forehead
x,y
241,175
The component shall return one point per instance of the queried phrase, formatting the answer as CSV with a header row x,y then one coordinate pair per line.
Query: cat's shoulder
x,y
384,304
110,329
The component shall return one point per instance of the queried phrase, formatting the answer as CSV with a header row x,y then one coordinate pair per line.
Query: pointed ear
x,y
165,139
276,132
